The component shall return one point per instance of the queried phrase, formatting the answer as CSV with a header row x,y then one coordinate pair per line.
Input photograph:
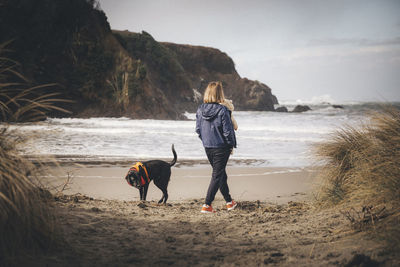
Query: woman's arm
x,y
227,128
198,118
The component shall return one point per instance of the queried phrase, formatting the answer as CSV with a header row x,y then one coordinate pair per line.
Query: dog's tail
x,y
175,156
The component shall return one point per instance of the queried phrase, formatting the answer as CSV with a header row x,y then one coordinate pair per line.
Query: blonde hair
x,y
214,93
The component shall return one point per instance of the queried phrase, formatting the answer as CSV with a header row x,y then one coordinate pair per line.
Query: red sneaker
x,y
207,209
231,205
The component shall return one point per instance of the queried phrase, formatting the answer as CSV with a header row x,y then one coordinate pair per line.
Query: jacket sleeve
x,y
227,129
198,118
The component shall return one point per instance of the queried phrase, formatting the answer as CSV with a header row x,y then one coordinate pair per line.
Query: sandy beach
x,y
275,224
275,185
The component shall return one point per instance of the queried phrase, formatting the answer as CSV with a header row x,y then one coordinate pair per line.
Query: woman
x,y
215,129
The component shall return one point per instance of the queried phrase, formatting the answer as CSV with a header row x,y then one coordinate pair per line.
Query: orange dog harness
x,y
136,167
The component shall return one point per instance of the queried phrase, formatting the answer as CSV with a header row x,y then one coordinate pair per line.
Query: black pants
x,y
218,158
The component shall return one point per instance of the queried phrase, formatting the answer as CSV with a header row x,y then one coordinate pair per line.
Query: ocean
x,y
268,139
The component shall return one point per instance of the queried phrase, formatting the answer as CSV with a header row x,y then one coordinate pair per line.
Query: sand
x,y
277,185
275,224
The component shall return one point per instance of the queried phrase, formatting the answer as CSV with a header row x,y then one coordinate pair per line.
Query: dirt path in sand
x,y
119,233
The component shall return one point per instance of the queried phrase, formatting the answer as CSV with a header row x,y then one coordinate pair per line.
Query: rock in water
x,y
301,108
281,109
337,106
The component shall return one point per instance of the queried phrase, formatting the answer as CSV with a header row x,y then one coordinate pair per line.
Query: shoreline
x,y
67,160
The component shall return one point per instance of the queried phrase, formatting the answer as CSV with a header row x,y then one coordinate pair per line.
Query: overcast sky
x,y
339,50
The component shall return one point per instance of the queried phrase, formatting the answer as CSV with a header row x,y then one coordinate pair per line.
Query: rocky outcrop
x,y
338,106
167,80
205,64
281,109
301,108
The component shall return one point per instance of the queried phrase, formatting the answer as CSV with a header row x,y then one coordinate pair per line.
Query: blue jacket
x,y
214,126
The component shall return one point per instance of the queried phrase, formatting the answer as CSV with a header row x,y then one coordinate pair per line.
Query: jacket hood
x,y
210,110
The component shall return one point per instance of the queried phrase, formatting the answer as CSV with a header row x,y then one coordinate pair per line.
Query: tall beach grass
x,y
361,172
26,221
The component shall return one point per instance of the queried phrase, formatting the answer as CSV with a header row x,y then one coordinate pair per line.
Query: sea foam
x,y
268,138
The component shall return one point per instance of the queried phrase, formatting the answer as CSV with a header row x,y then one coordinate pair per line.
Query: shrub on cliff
x,y
194,58
161,61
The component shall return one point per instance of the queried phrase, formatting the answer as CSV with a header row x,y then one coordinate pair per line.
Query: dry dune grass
x,y
362,172
26,222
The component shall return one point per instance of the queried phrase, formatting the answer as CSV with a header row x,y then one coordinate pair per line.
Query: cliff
x,y
205,64
116,73
179,74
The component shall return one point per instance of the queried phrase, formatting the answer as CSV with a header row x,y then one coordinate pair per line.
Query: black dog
x,y
159,171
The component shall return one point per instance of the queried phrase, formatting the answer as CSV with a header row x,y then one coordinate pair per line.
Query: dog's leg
x,y
142,195
165,195
145,188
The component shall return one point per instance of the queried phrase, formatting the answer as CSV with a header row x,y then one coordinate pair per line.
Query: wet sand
x,y
277,185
